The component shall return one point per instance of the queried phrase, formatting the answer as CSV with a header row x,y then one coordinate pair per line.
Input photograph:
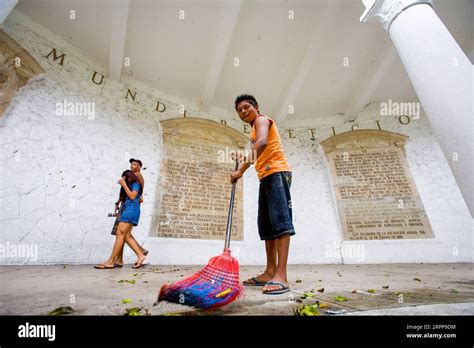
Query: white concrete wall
x,y
59,175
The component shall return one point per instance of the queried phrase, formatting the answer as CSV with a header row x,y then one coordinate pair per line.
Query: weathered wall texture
x,y
59,174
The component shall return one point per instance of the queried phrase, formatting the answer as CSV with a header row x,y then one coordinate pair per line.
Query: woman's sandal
x,y
137,266
102,266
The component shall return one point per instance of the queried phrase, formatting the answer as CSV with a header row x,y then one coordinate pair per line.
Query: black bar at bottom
x,y
214,330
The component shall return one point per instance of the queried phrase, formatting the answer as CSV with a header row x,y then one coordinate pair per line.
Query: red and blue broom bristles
x,y
215,285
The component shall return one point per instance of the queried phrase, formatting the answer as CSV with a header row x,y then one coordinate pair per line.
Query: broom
x,y
215,285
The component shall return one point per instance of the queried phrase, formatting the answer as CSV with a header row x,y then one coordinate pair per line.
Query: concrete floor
x,y
435,289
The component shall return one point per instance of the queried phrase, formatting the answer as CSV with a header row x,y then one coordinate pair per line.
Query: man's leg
x,y
119,259
281,219
283,247
264,229
271,251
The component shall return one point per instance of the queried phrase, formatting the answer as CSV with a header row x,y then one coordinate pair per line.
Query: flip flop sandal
x,y
118,265
139,266
102,266
282,290
145,252
253,282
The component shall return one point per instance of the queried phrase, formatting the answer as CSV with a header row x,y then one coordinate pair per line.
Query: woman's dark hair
x,y
248,98
130,178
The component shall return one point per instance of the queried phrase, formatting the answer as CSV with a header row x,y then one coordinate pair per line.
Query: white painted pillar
x,y
441,74
6,6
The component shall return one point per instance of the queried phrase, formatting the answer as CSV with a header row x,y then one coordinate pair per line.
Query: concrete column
x,y
6,6
441,74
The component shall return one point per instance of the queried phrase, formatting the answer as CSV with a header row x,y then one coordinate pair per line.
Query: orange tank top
x,y
273,158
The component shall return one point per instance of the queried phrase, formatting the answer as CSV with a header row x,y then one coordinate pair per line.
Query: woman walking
x,y
135,167
128,218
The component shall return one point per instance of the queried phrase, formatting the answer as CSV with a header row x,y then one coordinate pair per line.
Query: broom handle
x,y
231,208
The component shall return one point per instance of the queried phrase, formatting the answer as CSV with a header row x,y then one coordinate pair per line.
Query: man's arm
x,y
142,182
262,125
140,179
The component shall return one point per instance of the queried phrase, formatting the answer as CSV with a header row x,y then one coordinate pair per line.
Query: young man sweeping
x,y
275,225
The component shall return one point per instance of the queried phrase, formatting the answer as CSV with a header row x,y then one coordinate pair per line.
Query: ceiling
x,y
281,61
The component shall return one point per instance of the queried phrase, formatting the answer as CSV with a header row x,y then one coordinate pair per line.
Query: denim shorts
x,y
275,216
130,212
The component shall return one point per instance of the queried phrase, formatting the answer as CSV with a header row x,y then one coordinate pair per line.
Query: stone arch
x,y
362,138
194,189
202,127
17,68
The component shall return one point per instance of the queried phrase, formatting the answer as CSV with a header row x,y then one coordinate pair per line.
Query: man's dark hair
x,y
248,98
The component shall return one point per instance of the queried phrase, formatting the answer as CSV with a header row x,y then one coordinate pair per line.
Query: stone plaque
x,y
194,184
373,188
